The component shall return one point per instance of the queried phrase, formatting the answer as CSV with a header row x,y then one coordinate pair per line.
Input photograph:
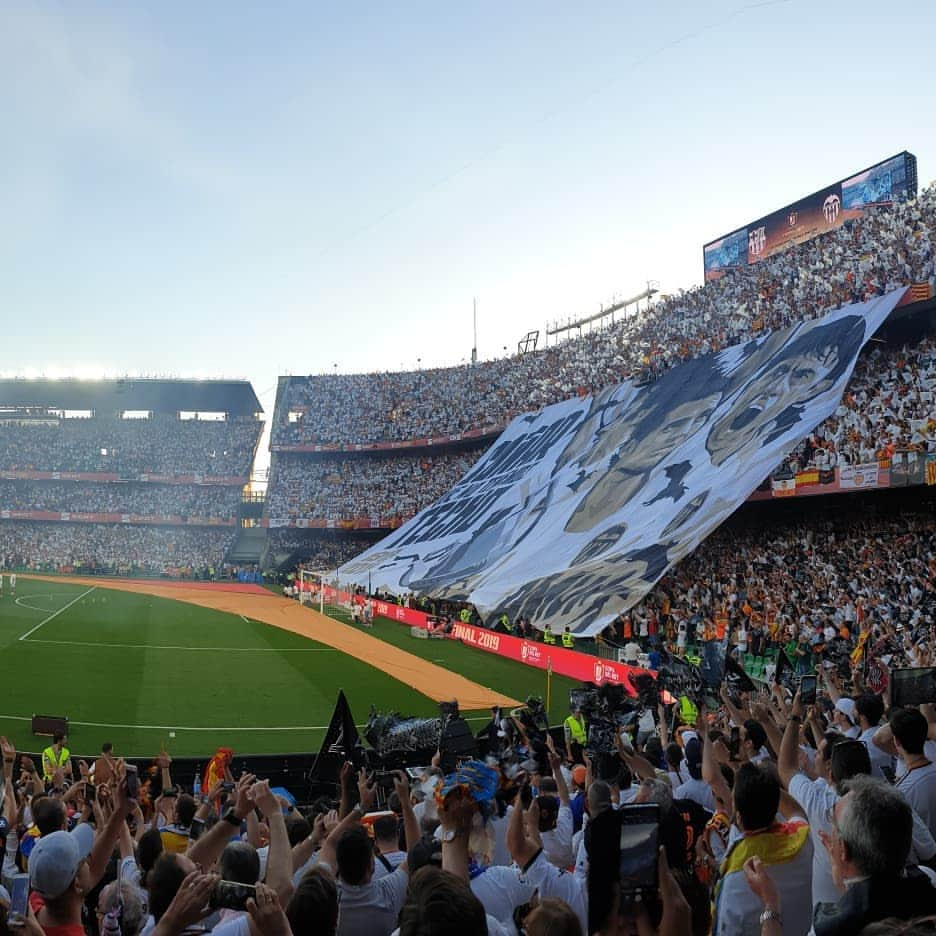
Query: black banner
x,y
341,743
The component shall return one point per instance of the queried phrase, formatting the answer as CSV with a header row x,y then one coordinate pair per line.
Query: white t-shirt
x,y
557,843
817,798
737,911
918,787
500,890
879,758
698,791
371,909
394,858
550,881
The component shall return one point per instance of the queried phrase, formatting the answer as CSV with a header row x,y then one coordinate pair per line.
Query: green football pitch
x,y
145,672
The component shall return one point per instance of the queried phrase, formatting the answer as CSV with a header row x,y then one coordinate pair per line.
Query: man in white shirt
x,y
695,788
369,907
556,831
918,783
785,848
869,709
835,763
537,871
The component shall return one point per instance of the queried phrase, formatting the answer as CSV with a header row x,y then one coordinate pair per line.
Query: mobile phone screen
x,y
19,898
640,839
807,688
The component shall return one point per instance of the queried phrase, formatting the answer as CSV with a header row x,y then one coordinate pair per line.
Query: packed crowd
x,y
795,584
333,488
885,248
889,406
141,499
756,813
316,552
159,445
113,548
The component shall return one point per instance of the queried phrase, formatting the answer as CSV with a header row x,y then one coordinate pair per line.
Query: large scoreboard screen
x,y
892,180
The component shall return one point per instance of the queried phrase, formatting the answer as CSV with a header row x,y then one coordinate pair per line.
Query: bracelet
x,y
770,914
230,817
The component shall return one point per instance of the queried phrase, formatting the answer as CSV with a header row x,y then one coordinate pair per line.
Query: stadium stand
x,y
135,474
774,815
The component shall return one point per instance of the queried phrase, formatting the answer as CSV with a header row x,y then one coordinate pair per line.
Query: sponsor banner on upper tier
x,y
83,517
853,477
105,476
578,510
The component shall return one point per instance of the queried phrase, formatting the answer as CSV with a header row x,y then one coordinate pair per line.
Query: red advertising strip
x,y
581,666
81,517
490,431
102,476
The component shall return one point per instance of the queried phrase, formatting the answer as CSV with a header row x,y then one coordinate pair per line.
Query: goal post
x,y
321,589
312,588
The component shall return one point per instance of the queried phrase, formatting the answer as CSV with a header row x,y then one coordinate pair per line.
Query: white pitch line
x,y
55,614
88,724
24,604
124,646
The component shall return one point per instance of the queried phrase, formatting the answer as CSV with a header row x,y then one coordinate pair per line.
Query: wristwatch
x,y
230,817
770,914
449,835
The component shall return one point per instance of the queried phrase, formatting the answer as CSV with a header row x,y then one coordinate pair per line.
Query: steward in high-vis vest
x,y
549,637
575,736
568,640
56,755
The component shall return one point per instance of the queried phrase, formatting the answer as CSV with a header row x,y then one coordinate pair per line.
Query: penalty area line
x,y
55,614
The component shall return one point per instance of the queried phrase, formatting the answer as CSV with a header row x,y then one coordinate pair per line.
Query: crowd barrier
x,y
572,663
903,469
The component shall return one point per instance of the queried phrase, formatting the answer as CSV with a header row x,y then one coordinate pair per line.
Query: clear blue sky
x,y
256,189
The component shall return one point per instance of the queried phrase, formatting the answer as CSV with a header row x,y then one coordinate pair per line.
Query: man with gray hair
x,y
868,844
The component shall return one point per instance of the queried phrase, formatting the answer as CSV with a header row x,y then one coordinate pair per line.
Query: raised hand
x,y
367,790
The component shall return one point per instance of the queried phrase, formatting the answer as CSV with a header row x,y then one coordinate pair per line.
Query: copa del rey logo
x,y
604,672
530,653
831,207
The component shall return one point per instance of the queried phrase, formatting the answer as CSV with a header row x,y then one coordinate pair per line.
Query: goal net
x,y
321,590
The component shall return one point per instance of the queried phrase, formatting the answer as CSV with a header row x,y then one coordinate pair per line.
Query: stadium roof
x,y
235,397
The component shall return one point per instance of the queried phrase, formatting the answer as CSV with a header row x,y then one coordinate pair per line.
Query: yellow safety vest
x,y
49,757
548,636
576,730
568,640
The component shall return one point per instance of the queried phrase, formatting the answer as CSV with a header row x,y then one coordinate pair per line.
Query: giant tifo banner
x,y
577,510
894,179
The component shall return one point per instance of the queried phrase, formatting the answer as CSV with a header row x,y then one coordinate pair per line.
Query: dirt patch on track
x,y
431,680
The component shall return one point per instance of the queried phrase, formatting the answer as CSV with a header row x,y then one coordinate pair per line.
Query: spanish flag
x,y
218,764
858,652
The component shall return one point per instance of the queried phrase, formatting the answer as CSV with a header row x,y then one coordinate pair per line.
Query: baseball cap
x,y
54,861
578,775
847,708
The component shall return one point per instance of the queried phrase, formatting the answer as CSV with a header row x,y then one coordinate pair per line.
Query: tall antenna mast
x,y
474,315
